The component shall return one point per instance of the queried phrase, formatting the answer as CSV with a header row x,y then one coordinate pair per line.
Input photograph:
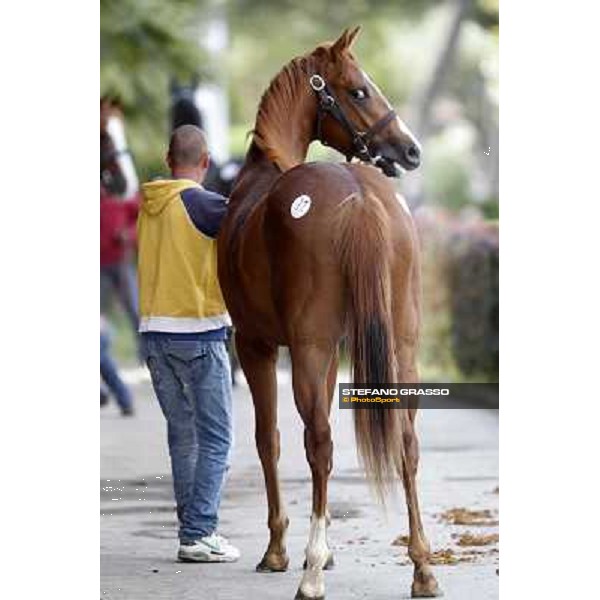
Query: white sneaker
x,y
211,548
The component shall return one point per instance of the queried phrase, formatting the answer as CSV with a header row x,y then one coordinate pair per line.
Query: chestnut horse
x,y
310,252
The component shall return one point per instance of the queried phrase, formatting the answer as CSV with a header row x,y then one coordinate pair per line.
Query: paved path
x,y
459,468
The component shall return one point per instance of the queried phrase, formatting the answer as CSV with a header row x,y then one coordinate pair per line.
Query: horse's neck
x,y
284,129
285,121
260,171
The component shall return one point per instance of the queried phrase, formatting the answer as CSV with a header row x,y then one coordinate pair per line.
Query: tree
x,y
144,43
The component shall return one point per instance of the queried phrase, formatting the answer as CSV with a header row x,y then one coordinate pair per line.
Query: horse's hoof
x,y
300,596
426,588
273,563
328,565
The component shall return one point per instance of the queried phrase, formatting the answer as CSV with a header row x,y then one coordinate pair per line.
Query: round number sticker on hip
x,y
300,206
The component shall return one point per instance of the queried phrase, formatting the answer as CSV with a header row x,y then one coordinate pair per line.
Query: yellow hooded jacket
x,y
177,258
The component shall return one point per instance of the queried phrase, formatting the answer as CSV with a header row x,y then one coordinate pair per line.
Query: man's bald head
x,y
187,147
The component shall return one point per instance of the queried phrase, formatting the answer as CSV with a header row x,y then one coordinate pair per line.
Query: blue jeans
x,y
192,382
110,375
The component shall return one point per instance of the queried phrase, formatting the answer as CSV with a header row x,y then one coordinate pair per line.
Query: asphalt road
x,y
459,469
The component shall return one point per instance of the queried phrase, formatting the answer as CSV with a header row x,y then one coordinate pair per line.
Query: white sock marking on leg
x,y
317,551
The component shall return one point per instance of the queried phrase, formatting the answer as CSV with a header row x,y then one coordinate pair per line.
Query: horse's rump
x,y
319,223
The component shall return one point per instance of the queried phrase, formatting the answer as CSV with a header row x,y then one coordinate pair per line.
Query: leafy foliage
x,y
144,43
145,39
460,296
474,301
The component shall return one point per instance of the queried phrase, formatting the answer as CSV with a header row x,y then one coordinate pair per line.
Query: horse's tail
x,y
364,246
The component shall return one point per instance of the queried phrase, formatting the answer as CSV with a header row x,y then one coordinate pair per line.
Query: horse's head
x,y
111,174
353,116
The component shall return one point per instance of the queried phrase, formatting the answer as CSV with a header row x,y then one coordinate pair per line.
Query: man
x,y
117,243
183,325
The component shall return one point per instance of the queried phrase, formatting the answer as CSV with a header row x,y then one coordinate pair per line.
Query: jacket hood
x,y
158,194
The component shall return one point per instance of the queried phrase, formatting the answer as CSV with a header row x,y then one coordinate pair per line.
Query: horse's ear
x,y
345,41
353,35
340,44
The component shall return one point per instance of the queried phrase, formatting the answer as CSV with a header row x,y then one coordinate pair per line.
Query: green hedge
x,y
474,306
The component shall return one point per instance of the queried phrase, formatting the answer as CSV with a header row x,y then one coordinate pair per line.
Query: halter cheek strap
x,y
327,104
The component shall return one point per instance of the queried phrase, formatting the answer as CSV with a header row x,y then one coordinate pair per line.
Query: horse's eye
x,y
359,94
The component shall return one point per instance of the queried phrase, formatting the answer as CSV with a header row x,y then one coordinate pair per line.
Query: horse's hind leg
x,y
312,382
406,316
331,379
424,583
258,362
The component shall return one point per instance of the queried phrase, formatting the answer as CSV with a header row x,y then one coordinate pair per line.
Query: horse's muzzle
x,y
411,154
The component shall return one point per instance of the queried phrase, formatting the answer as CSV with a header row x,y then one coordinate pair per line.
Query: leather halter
x,y
329,105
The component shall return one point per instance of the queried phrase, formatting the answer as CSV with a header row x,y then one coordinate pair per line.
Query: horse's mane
x,y
276,111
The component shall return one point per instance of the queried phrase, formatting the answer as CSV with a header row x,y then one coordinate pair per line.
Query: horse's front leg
x,y
311,368
258,362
